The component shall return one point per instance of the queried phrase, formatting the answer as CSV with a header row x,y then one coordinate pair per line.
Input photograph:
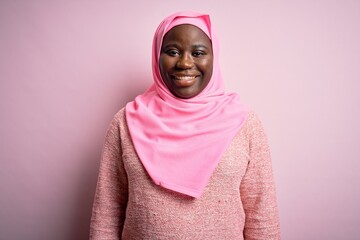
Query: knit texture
x,y
239,202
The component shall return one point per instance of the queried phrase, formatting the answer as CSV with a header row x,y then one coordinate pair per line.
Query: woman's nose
x,y
185,61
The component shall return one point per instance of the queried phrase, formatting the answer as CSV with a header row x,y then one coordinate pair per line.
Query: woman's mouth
x,y
184,80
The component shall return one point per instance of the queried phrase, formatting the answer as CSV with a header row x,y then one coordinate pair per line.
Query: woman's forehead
x,y
186,32
189,26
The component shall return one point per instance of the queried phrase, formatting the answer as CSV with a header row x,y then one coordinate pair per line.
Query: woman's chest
x,y
227,175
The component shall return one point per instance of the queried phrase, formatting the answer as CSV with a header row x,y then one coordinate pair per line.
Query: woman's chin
x,y
185,93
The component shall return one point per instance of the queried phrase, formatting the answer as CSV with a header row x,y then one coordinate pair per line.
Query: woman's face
x,y
186,60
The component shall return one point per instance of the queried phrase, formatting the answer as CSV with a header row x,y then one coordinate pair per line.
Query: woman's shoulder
x,y
118,118
252,119
120,115
252,124
118,122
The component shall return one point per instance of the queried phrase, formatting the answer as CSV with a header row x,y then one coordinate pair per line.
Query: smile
x,y
184,77
184,80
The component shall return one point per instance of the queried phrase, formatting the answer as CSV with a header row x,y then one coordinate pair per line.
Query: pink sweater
x,y
239,201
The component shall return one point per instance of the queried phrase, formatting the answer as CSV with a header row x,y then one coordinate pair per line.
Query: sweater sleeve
x,y
257,188
108,214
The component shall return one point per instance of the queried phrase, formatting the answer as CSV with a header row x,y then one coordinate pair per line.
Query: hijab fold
x,y
181,141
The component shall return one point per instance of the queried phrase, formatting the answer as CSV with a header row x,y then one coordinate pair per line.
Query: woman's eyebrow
x,y
175,45
200,46
171,45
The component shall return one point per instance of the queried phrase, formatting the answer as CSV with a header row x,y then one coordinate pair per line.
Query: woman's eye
x,y
198,53
172,52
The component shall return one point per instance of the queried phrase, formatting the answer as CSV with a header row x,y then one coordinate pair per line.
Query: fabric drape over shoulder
x,y
181,141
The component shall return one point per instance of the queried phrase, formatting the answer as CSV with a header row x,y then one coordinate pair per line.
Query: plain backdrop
x,y
66,67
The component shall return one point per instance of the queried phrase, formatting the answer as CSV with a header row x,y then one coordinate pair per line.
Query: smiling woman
x,y
186,60
185,160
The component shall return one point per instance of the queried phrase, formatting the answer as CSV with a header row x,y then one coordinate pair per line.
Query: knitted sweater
x,y
239,201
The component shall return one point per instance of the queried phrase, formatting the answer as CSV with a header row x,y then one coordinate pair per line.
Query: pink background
x,y
68,66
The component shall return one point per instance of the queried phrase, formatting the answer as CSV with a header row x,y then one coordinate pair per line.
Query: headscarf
x,y
181,141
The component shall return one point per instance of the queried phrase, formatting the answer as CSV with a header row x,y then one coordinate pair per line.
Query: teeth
x,y
184,77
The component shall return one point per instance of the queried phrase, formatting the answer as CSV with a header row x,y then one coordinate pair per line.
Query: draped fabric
x,y
181,141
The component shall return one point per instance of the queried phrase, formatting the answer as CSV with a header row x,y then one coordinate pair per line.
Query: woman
x,y
185,160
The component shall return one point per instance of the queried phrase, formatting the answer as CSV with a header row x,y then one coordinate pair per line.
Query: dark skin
x,y
186,60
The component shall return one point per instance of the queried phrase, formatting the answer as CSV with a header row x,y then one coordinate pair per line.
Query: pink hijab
x,y
181,141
